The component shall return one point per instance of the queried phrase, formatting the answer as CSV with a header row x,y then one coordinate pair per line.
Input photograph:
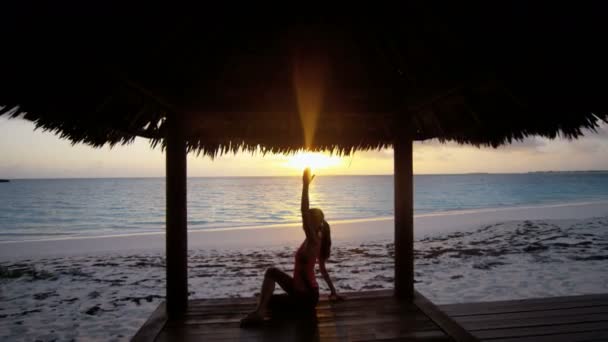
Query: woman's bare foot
x,y
252,319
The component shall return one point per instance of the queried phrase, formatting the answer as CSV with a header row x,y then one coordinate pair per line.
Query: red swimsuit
x,y
304,272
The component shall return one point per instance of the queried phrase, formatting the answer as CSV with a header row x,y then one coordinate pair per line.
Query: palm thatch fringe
x,y
473,75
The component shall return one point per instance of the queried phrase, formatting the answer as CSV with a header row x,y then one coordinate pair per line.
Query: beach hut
x,y
196,81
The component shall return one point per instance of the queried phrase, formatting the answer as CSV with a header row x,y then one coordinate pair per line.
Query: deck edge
x,y
443,321
153,325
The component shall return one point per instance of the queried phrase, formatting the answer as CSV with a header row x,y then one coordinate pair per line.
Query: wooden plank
x,y
521,309
342,332
321,316
404,215
321,320
531,322
384,305
417,322
534,314
176,217
153,326
385,299
381,294
343,308
491,308
408,335
549,303
554,299
436,336
449,326
540,330
264,333
488,309
600,335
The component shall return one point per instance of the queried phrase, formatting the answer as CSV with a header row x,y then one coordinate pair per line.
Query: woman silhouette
x,y
302,289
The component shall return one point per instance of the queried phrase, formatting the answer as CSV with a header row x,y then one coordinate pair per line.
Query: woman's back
x,y
304,269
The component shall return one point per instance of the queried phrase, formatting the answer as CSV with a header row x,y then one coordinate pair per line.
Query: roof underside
x,y
483,76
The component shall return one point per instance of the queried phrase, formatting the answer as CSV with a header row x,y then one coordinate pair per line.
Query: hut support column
x,y
176,235
404,217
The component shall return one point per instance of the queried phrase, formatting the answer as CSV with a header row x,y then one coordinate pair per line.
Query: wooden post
x,y
404,217
177,237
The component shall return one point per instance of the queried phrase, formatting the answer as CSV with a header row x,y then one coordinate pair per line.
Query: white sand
x,y
104,288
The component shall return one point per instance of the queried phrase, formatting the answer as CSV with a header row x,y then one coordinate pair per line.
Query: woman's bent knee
x,y
272,272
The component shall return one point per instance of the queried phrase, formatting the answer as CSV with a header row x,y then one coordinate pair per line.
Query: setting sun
x,y
313,160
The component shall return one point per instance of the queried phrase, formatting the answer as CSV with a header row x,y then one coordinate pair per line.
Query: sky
x,y
25,153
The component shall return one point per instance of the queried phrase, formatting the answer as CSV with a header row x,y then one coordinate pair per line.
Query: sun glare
x,y
313,160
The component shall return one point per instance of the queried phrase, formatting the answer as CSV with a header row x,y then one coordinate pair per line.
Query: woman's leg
x,y
271,277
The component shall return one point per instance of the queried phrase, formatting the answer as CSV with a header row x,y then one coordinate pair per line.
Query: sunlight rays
x,y
314,160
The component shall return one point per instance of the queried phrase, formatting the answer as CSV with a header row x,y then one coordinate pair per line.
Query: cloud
x,y
374,154
592,142
531,144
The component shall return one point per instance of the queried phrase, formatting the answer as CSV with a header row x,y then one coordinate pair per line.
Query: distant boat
x,y
4,181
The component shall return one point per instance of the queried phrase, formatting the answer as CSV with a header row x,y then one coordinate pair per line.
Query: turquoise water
x,y
37,209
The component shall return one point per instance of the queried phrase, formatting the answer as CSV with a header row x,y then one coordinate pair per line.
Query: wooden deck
x,y
575,318
378,315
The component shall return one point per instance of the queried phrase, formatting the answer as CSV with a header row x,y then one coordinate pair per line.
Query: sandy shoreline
x,y
103,289
285,235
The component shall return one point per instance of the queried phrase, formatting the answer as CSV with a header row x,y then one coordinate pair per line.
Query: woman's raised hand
x,y
307,177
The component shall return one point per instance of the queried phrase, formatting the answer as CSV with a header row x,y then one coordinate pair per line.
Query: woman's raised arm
x,y
305,206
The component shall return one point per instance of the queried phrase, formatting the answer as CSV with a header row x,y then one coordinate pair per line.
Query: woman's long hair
x,y
319,218
325,241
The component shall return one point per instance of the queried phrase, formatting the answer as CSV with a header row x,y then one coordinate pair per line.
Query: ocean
x,y
36,209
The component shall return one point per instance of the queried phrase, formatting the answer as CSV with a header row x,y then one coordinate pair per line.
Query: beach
x,y
103,288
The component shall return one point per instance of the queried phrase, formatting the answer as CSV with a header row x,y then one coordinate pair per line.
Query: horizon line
x,y
329,175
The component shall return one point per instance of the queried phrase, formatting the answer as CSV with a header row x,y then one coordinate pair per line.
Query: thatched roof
x,y
483,76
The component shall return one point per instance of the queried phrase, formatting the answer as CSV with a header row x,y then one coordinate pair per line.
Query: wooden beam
x,y
404,217
153,326
177,237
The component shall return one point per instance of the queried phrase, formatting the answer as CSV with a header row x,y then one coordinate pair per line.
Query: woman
x,y
302,290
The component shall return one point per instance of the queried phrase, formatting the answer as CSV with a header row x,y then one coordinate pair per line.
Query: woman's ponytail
x,y
325,241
